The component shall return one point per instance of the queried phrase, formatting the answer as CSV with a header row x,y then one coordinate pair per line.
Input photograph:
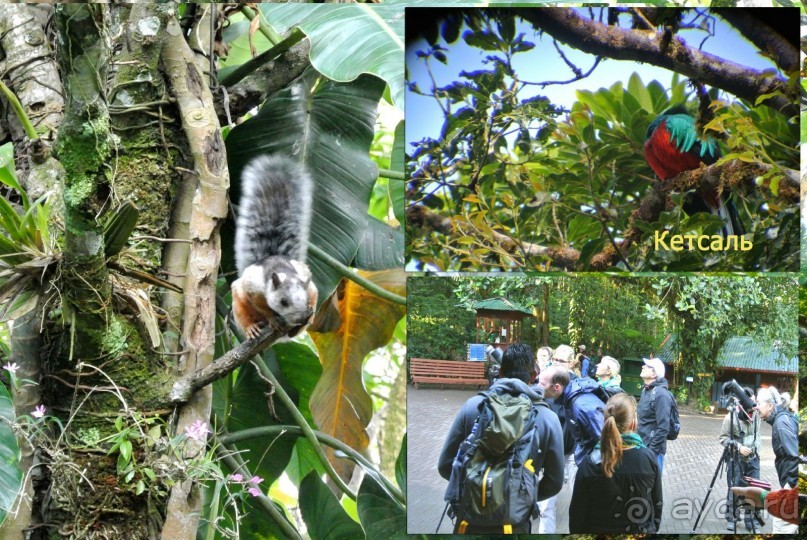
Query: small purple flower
x,y
255,492
39,411
255,480
11,367
197,431
237,477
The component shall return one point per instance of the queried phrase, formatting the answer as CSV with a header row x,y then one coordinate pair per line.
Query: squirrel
x,y
274,286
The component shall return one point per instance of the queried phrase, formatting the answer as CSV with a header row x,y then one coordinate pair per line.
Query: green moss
x,y
115,339
78,191
83,147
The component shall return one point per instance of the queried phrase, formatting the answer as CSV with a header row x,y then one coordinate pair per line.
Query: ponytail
x,y
611,447
620,412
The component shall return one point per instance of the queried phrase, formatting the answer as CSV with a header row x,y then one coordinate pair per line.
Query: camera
x,y
745,402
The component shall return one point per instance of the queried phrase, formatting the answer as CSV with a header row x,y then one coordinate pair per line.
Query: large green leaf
x,y
396,187
10,474
348,40
379,514
381,246
298,369
323,515
328,126
400,466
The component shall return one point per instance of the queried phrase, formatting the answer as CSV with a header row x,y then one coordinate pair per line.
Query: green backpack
x,y
493,479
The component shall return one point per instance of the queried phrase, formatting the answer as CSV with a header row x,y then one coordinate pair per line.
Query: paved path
x,y
688,468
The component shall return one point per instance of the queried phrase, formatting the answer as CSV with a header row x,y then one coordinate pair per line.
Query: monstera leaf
x,y
340,404
327,126
348,40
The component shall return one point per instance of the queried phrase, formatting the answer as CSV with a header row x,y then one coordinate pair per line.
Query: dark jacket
x,y
584,415
549,450
612,505
785,441
568,439
654,413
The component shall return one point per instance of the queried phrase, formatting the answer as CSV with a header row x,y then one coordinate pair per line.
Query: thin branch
x,y
348,273
392,175
186,385
247,68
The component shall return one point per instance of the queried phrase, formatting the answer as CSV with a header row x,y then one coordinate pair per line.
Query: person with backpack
x,y
493,356
499,444
617,489
785,442
581,405
656,406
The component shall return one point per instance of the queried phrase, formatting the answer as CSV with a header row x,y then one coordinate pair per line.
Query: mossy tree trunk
x,y
112,342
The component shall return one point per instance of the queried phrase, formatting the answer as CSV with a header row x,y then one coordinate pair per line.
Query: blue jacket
x,y
585,367
549,448
584,415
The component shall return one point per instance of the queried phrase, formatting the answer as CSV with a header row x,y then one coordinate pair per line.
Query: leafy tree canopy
x,y
514,182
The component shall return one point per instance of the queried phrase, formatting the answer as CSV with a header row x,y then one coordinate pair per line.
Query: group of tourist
x,y
582,425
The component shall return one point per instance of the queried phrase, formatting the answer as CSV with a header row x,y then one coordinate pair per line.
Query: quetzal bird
x,y
672,147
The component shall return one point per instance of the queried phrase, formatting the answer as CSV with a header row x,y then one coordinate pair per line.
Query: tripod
x,y
729,459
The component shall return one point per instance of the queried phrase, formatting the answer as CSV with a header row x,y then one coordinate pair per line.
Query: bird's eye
x,y
284,303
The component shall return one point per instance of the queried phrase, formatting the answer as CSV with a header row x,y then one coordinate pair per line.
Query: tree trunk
x,y
103,364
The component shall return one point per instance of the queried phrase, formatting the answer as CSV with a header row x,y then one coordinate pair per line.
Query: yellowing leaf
x,y
339,404
775,185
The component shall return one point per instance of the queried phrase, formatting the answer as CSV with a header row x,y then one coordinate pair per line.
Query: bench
x,y
443,372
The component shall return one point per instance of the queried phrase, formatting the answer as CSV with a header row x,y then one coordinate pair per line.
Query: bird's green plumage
x,y
681,127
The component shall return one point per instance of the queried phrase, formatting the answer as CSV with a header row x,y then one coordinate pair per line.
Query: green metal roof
x,y
499,304
739,353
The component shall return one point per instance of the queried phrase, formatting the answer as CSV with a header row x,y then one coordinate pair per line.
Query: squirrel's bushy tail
x,y
274,212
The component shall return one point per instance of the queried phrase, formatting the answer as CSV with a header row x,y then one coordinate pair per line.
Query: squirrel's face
x,y
287,295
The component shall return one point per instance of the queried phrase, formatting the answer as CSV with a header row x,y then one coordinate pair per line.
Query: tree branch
x,y
766,39
422,217
732,174
185,387
185,74
599,39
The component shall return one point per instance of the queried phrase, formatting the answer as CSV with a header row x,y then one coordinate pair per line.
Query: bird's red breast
x,y
664,157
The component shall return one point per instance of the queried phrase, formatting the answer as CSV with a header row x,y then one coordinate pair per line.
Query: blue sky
x,y
543,63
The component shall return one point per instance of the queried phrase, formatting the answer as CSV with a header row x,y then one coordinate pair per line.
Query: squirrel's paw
x,y
254,330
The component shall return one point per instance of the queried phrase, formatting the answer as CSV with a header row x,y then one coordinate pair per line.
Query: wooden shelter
x,y
499,320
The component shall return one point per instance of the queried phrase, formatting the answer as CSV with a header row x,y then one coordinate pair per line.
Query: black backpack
x,y
494,481
604,393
